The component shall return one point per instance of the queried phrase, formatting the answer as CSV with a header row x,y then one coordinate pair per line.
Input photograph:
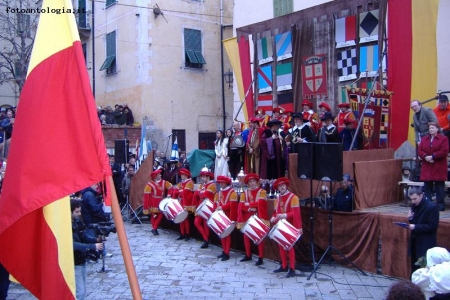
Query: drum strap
x,y
288,202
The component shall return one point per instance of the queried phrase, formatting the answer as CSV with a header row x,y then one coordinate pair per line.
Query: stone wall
x,y
117,132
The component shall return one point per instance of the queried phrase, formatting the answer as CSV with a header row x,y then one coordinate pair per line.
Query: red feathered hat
x,y
223,179
154,173
325,105
281,180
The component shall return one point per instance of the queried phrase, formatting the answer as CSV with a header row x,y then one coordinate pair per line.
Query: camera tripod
x,y
330,248
129,212
103,269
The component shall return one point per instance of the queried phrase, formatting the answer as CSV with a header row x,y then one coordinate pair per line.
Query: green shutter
x,y
282,7
110,50
193,46
200,58
191,55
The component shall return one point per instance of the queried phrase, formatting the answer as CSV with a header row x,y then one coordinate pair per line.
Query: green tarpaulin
x,y
198,159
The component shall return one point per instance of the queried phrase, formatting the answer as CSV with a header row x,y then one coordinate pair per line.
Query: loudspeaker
x,y
328,161
121,148
305,166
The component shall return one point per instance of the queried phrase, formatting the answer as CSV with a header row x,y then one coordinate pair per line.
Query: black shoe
x,y
290,273
280,269
246,258
259,262
155,232
204,245
225,257
181,237
221,255
442,209
187,237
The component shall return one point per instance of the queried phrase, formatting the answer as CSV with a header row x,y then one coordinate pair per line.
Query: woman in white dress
x,y
221,149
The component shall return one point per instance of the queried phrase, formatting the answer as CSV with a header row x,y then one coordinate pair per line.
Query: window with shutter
x,y
110,62
110,3
193,49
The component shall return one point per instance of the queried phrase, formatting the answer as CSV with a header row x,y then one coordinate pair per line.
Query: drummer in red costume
x,y
226,200
287,206
253,202
155,190
184,191
310,115
207,191
346,114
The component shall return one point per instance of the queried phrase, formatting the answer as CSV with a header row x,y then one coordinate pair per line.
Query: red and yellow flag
x,y
57,148
412,61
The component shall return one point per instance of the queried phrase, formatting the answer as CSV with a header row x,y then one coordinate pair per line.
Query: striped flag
x,y
143,143
35,227
284,77
345,32
174,155
283,44
265,101
368,61
264,49
265,79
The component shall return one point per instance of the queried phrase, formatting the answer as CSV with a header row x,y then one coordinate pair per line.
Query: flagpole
x,y
125,247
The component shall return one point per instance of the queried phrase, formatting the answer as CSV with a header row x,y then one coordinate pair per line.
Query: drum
x,y
205,209
255,229
220,224
284,234
173,210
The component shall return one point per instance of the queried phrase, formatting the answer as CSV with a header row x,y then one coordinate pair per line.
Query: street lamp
x,y
228,76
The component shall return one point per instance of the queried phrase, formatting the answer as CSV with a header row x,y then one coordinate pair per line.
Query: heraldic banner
x,y
375,125
314,74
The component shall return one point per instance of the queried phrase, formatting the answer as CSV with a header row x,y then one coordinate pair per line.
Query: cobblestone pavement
x,y
171,269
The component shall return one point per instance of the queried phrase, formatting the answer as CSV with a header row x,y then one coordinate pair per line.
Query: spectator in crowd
x,y
82,243
4,282
422,116
117,177
110,115
424,221
405,290
126,182
102,119
120,116
7,125
2,113
129,114
343,201
434,278
433,151
92,206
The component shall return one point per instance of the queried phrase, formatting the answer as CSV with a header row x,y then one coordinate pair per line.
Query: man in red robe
x,y
184,191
